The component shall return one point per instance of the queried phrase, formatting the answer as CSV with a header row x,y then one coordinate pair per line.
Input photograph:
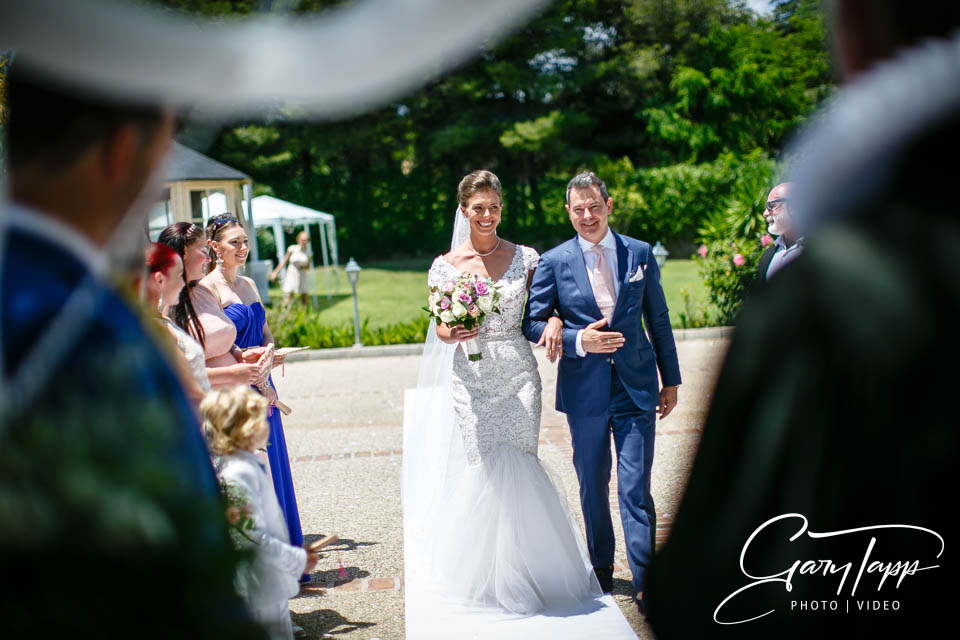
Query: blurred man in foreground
x,y
109,516
813,508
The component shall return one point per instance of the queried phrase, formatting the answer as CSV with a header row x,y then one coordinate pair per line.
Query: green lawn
x,y
390,292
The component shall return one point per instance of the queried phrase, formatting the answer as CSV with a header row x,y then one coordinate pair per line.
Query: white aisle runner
x,y
430,616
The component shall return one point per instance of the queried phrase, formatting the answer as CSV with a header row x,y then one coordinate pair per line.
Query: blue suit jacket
x,y
110,341
109,449
561,285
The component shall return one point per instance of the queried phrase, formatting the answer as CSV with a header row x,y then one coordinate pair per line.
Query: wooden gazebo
x,y
198,188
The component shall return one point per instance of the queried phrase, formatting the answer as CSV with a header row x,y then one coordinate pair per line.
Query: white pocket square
x,y
636,276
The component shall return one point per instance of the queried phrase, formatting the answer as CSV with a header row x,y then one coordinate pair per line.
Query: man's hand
x,y
595,341
668,400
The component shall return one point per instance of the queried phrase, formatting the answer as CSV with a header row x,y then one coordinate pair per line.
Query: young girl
x,y
235,423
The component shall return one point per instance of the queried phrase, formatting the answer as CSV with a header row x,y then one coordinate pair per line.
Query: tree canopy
x,y
675,103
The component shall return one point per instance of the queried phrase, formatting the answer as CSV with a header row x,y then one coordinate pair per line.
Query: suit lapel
x,y
578,267
624,256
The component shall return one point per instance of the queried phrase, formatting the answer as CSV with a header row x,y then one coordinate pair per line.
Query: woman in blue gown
x,y
240,302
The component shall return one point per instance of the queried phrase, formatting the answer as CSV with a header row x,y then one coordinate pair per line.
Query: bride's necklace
x,y
484,255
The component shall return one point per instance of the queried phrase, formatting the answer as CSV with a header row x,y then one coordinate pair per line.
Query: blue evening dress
x,y
249,320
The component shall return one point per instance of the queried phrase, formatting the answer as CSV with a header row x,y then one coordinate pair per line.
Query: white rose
x,y
447,316
458,309
485,303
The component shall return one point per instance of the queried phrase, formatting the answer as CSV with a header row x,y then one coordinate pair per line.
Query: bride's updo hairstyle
x,y
480,180
216,227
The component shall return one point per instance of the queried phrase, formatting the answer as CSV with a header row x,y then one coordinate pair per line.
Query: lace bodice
x,y
497,399
512,286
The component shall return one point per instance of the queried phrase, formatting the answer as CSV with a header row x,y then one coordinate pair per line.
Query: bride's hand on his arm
x,y
552,338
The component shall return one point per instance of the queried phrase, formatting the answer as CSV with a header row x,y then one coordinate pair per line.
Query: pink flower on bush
x,y
465,299
766,239
481,288
739,260
474,311
702,251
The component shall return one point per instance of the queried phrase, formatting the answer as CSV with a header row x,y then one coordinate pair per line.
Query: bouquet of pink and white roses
x,y
464,302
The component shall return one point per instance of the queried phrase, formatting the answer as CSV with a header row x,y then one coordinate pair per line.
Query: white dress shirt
x,y
609,245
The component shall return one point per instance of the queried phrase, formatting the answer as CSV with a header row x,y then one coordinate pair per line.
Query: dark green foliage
x,y
671,101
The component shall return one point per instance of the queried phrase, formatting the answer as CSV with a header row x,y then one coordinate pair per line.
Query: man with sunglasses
x,y
788,244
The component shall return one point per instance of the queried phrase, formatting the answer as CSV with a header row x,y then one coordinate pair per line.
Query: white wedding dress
x,y
491,550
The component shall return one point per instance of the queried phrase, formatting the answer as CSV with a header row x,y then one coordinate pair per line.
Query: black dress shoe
x,y
605,578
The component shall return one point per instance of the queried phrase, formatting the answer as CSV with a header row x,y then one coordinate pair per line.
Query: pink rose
x,y
465,299
481,289
448,286
474,311
702,251
233,515
765,239
738,260
445,303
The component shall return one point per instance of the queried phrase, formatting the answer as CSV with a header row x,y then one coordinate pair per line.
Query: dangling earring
x,y
160,305
219,260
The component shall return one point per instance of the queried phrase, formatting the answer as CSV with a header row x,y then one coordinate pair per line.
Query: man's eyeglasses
x,y
773,204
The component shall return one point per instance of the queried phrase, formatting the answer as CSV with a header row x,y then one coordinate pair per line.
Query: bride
x,y
488,538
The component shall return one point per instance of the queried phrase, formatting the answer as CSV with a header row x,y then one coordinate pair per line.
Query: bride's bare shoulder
x,y
456,256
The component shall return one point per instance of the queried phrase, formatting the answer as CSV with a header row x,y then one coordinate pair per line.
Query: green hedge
x,y
299,327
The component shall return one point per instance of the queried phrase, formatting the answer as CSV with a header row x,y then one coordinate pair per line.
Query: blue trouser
x,y
633,435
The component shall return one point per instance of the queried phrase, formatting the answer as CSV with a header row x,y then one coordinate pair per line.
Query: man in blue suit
x,y
602,285
103,470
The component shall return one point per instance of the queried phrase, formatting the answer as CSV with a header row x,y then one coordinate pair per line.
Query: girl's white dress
x,y
268,583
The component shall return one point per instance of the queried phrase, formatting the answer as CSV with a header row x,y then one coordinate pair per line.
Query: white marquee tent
x,y
277,214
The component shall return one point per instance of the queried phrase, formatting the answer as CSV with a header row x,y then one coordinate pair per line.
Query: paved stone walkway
x,y
344,439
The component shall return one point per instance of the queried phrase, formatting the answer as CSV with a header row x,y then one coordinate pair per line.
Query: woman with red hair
x,y
161,290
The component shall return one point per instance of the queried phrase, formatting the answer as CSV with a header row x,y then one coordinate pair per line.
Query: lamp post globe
x,y
353,274
660,253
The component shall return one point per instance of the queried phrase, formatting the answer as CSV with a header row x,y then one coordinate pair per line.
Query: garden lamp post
x,y
353,274
660,253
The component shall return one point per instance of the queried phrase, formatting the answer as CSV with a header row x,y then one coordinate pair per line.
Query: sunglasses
x,y
219,221
773,204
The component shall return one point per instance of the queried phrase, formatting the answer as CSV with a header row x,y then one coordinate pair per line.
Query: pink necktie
x,y
603,290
